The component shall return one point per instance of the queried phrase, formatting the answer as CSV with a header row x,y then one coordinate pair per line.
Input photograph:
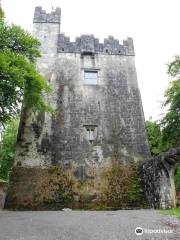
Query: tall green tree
x,y
20,82
171,121
154,137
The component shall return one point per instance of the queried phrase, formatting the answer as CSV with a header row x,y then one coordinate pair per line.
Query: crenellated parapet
x,y
90,44
84,43
41,16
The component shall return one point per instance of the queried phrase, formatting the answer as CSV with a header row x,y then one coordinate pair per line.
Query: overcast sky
x,y
153,24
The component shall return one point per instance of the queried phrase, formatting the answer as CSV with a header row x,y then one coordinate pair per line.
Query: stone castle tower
x,y
99,115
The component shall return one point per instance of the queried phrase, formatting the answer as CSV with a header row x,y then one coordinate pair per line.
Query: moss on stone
x,y
37,188
117,186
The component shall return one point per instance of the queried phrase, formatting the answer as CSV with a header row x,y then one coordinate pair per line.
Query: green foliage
x,y
7,147
158,144
174,211
177,179
154,137
1,13
38,188
18,41
171,121
19,80
168,135
135,195
64,186
122,187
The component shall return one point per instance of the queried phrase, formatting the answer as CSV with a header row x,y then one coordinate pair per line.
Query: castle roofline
x,y
90,44
85,44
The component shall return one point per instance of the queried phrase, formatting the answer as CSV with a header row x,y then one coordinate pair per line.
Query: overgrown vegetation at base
x,y
38,188
122,187
116,187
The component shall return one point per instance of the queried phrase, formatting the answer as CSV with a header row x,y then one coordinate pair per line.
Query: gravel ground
x,y
87,225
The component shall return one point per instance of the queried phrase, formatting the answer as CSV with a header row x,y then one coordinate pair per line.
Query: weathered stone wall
x,y
39,188
113,105
3,189
52,188
158,179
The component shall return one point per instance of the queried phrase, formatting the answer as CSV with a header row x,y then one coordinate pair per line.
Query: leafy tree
x,y
166,135
7,147
20,83
19,80
171,121
154,137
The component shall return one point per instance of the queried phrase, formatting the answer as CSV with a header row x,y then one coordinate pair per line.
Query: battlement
x,y
89,44
40,16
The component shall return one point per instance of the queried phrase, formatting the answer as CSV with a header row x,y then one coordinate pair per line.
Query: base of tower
x,y
39,188
52,188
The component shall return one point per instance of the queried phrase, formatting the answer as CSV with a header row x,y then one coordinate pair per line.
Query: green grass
x,y
3,181
174,211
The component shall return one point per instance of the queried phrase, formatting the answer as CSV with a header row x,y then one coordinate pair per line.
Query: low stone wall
x,y
3,189
158,179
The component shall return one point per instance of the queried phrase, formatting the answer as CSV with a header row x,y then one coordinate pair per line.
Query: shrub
x,y
121,187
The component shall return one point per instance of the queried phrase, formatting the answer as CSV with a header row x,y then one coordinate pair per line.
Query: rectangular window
x,y
91,132
90,77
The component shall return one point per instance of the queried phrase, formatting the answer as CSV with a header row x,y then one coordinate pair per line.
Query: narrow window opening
x,y
91,132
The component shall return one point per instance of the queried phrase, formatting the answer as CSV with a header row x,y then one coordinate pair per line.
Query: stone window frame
x,y
90,70
90,133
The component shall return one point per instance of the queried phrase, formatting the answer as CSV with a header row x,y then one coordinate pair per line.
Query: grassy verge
x,y
3,181
174,211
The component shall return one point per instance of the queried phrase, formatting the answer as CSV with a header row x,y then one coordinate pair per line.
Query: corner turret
x,y
46,27
40,16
